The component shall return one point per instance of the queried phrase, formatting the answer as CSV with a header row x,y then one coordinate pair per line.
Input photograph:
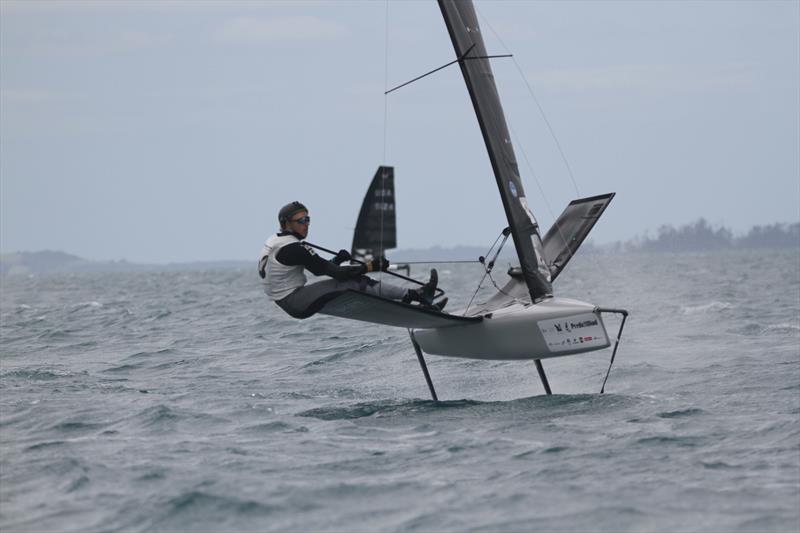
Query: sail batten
x,y
462,25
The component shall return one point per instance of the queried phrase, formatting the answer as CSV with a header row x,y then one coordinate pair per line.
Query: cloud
x,y
164,6
98,48
250,30
57,6
96,43
650,78
25,96
132,39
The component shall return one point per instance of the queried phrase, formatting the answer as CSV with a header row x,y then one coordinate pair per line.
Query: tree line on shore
x,y
700,236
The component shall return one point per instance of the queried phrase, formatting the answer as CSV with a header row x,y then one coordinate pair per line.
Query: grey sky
x,y
173,131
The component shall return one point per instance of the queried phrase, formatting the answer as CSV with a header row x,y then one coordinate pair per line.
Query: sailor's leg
x,y
310,298
387,290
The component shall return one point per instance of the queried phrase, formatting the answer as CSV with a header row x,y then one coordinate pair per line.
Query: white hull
x,y
553,328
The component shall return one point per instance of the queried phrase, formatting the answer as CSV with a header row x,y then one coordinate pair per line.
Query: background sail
x,y
376,228
465,33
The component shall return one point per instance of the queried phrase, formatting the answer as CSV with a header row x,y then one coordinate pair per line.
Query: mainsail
x,y
376,228
462,24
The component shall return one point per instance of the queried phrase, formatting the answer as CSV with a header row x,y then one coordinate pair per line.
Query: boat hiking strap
x,y
439,291
487,267
624,314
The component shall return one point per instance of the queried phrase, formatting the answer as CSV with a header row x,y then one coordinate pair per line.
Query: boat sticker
x,y
575,332
524,202
512,188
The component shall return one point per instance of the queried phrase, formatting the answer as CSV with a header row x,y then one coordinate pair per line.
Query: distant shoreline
x,y
695,237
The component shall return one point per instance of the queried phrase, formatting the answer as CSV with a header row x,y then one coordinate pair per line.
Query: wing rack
x,y
369,308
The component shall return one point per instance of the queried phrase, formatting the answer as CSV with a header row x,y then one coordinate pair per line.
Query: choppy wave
x,y
186,401
782,329
711,307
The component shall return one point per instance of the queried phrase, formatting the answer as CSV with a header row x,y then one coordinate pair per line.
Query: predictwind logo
x,y
584,324
569,326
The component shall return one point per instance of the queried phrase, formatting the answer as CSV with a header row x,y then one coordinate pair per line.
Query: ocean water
x,y
187,401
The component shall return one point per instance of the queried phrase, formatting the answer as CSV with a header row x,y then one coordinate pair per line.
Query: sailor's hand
x,y
379,263
342,256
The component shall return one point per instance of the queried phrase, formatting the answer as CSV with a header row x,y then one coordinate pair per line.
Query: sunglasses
x,y
302,220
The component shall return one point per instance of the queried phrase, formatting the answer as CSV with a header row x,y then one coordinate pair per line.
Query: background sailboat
x,y
376,227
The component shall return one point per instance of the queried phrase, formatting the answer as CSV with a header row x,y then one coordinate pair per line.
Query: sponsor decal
x,y
512,188
580,332
524,202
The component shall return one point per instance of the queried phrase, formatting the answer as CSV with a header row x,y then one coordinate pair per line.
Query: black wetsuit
x,y
296,254
308,299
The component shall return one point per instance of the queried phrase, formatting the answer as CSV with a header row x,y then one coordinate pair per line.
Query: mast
x,y
465,33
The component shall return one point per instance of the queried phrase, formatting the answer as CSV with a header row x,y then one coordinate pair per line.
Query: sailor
x,y
285,257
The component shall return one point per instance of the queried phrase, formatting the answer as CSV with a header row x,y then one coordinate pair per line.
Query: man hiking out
x,y
285,258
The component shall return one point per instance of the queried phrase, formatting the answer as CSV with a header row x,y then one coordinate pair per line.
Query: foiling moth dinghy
x,y
524,320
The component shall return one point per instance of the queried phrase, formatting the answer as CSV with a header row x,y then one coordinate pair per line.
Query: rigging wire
x,y
538,105
549,128
385,132
440,262
385,81
520,147
464,57
538,183
504,293
487,267
485,272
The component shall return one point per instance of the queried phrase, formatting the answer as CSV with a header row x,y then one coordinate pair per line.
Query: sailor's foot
x,y
428,291
424,295
440,304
